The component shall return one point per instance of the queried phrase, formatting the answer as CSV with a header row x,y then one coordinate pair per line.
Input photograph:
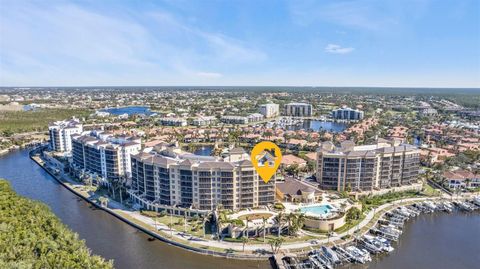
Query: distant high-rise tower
x,y
298,110
346,113
270,110
60,133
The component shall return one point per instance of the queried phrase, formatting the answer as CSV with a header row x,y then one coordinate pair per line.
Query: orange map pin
x,y
266,158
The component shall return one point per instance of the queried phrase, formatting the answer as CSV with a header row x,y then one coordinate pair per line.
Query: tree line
x,y
31,236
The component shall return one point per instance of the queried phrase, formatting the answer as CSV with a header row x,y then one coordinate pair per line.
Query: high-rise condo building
x,y
346,113
298,110
168,176
366,168
105,157
60,133
269,110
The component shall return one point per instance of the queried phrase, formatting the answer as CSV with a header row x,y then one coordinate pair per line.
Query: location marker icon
x,y
266,158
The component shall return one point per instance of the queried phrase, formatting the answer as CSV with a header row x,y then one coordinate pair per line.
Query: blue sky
x,y
401,43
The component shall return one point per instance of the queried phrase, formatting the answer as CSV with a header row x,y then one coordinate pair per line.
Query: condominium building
x,y
105,157
269,110
234,119
255,117
204,120
366,168
346,113
60,133
168,176
298,110
173,121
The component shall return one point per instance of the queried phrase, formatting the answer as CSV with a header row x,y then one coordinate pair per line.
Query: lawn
x,y
255,216
430,191
374,201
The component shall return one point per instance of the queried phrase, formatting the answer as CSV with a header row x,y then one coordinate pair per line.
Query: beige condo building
x,y
382,165
168,176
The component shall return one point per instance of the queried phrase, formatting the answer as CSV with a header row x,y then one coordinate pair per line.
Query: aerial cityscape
x,y
237,170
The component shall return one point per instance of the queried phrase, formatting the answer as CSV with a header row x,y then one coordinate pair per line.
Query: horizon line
x,y
260,86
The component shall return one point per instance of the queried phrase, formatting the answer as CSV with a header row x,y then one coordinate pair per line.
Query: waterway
x,y
104,234
130,110
434,241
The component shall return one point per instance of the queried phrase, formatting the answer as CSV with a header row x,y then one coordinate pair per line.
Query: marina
x,y
381,240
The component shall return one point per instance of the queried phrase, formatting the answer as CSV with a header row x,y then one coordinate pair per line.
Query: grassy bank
x,y
370,202
31,236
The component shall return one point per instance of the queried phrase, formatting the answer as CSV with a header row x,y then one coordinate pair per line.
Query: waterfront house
x,y
460,179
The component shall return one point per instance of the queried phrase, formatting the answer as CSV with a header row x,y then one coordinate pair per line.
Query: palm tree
x,y
88,181
275,244
103,201
300,221
290,218
244,242
170,226
204,226
247,219
279,218
219,227
264,219
185,221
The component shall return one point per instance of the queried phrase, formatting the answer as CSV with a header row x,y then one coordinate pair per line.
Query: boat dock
x,y
379,240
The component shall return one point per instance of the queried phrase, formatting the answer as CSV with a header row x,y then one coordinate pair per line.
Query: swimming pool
x,y
317,209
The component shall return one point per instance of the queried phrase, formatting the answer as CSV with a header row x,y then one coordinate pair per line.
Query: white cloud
x,y
337,49
209,75
385,17
64,44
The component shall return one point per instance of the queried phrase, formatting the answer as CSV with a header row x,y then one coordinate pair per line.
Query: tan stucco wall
x,y
324,225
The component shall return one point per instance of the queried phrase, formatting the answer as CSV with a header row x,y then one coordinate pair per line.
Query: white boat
x,y
430,205
387,246
476,200
359,255
331,255
372,246
315,262
447,207
464,206
345,255
392,229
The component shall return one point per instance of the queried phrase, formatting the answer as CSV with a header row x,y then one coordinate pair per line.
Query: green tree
x,y
279,219
276,244
244,242
31,235
353,214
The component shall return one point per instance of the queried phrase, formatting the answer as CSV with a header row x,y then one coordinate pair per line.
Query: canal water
x,y
434,241
103,233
